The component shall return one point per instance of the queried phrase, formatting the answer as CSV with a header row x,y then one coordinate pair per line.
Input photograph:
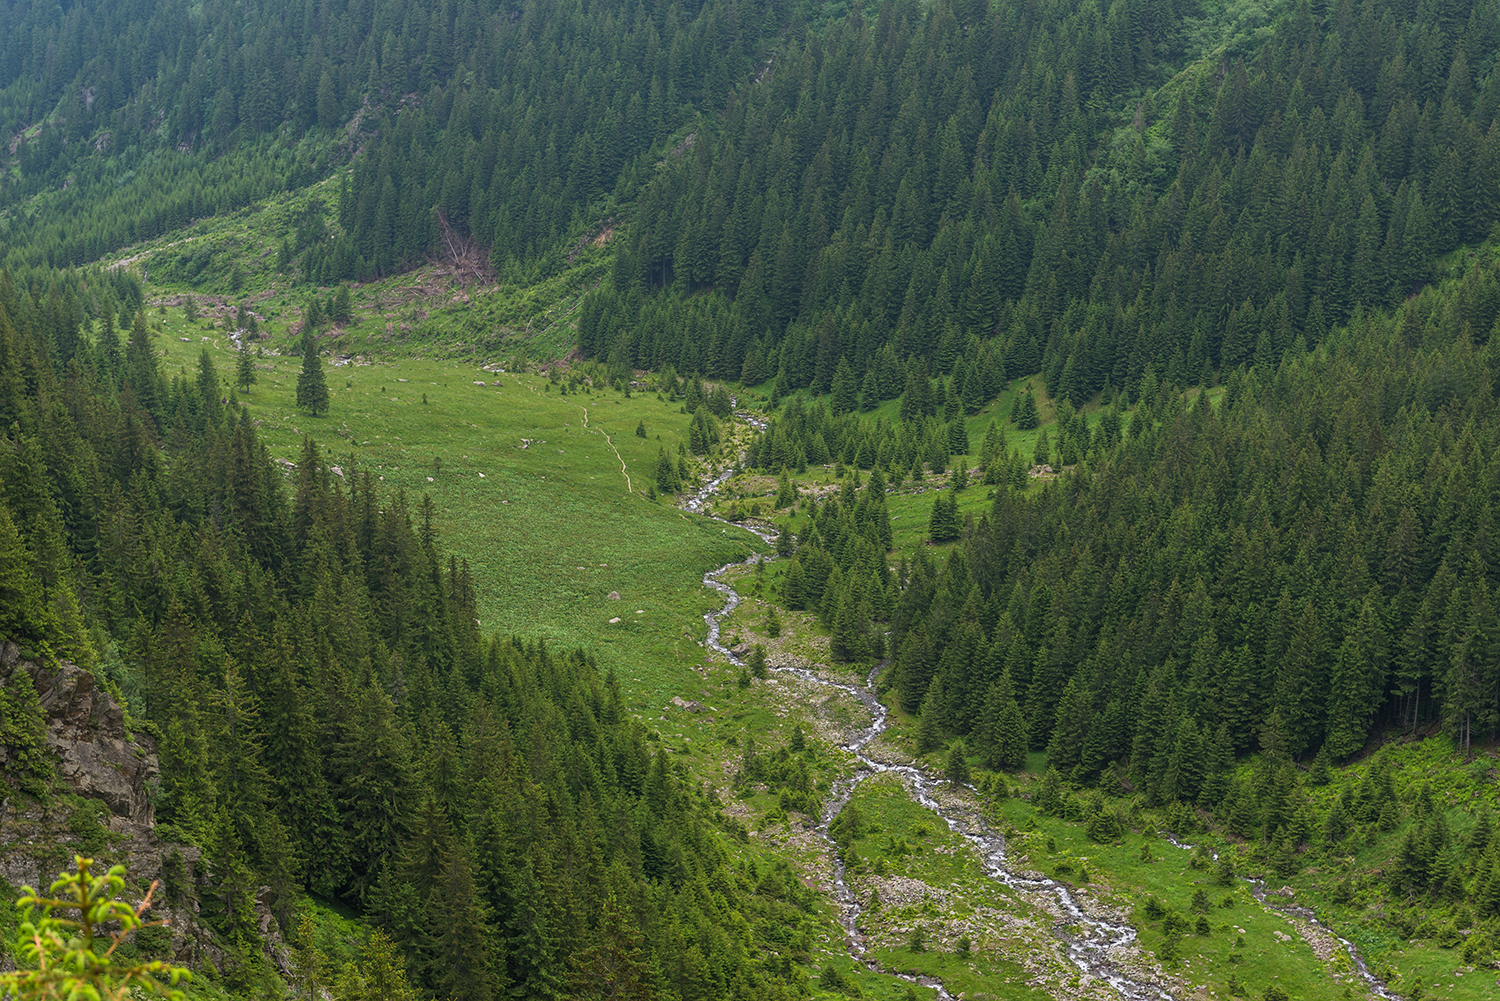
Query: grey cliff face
x,y
86,733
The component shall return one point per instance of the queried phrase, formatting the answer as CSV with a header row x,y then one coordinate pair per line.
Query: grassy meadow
x,y
531,488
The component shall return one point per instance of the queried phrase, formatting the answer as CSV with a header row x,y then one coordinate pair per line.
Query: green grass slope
x,y
544,494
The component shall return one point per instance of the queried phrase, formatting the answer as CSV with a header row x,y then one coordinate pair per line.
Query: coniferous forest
x,y
1243,258
328,716
1034,190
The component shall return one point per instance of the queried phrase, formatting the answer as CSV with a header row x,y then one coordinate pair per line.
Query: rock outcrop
x,y
94,758
86,732
98,759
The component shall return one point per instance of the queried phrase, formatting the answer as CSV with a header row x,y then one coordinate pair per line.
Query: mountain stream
x,y
1096,945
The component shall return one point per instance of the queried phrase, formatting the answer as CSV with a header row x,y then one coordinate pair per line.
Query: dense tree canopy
x,y
475,118
1302,558
1031,188
1206,234
329,716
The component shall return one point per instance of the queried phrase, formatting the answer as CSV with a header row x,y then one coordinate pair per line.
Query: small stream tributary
x,y
1306,914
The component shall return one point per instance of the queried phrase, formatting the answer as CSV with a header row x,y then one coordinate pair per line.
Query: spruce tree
x,y
312,388
299,789
845,388
786,492
850,625
1356,684
459,933
942,525
1487,888
956,768
244,367
791,585
937,452
372,772
23,730
990,452
1042,454
1471,673
869,391
1300,687
140,362
614,965
384,975
1010,736
666,474
187,790
786,542
23,612
958,437
228,902
930,726
108,341
1023,410
341,311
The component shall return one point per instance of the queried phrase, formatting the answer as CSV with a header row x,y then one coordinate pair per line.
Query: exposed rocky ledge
x,y
86,733
97,758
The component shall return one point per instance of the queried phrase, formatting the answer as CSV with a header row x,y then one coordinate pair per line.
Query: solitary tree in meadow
x,y
312,388
244,372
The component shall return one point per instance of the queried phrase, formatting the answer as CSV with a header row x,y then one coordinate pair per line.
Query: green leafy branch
x,y
69,965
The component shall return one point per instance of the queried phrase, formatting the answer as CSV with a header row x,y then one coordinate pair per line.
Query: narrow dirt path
x,y
609,441
591,430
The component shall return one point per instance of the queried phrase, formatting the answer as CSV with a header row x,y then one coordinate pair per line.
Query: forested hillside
x,y
328,717
1239,262
1107,186
1303,564
127,121
1062,188
1309,557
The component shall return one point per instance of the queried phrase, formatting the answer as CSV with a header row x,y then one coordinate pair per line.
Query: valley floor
x,y
546,494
